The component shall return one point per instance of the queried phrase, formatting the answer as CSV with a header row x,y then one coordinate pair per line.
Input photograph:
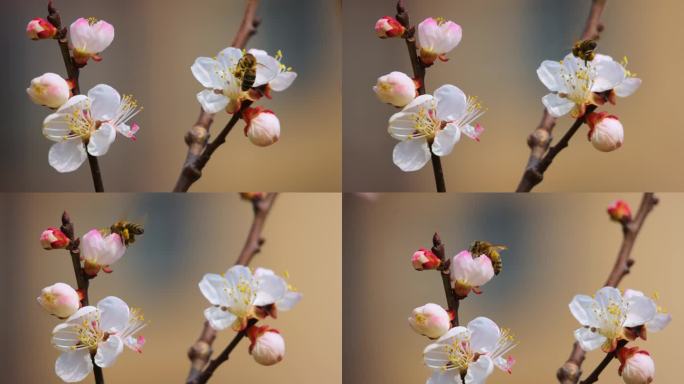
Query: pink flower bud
x,y
263,126
605,131
469,273
425,259
267,347
620,211
436,38
90,37
430,320
395,88
99,252
50,90
40,28
389,27
59,300
53,238
636,366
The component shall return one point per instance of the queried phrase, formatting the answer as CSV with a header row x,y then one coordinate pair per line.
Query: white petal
x,y
659,322
238,273
271,288
609,74
448,377
549,73
73,366
583,307
207,71
108,351
212,287
458,333
401,125
78,102
484,334
435,356
628,87
211,101
289,301
422,101
77,317
446,139
283,81
67,156
451,102
101,139
411,155
607,296
267,69
556,105
105,102
259,272
56,127
479,370
64,337
589,340
219,319
641,310
229,57
114,314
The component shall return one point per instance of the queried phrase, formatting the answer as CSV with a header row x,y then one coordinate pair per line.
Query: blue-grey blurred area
x,y
559,245
185,237
156,43
504,41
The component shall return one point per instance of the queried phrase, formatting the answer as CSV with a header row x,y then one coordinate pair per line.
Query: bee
x,y
490,250
245,71
127,230
585,50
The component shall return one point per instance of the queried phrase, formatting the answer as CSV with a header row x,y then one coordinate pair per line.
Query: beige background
x,y
156,43
186,236
559,245
504,41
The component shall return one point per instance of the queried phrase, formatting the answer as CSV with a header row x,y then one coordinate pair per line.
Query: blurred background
x,y
156,43
504,41
185,237
560,245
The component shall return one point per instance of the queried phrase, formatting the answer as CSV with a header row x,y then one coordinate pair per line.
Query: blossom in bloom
x,y
102,331
605,131
395,88
89,38
472,351
435,38
280,76
575,83
425,259
433,122
636,366
267,345
100,252
40,28
470,272
50,90
59,300
235,295
620,211
430,320
88,123
388,27
263,126
606,316
656,324
53,238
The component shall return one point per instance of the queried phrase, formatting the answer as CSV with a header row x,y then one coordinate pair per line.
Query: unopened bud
x,y
53,238
636,366
59,300
605,131
388,27
89,38
50,90
267,347
395,88
430,320
263,126
425,259
620,211
40,28
469,272
436,37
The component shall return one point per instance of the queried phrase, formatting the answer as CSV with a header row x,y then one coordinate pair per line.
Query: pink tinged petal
x,y
505,364
473,132
127,131
206,71
114,249
289,301
557,106
73,366
641,310
101,139
609,74
411,155
589,340
583,308
448,377
229,57
211,101
105,102
67,156
446,139
451,36
628,87
427,33
271,288
114,314
451,103
108,351
219,319
283,81
212,287
549,73
659,322
484,334
102,36
479,370
92,244
79,33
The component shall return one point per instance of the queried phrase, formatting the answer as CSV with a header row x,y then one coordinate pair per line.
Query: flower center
x,y
459,355
89,334
242,296
425,124
579,82
80,123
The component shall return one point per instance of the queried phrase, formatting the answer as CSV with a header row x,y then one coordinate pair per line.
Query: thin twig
x,y
200,352
73,72
452,300
197,138
570,372
540,139
419,76
594,376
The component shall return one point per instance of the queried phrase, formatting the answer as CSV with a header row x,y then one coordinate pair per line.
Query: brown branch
x,y
540,139
197,138
452,300
570,372
419,76
200,352
594,376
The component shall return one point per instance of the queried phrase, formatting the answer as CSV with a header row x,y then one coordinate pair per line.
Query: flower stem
x,y
453,301
95,173
97,371
437,171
